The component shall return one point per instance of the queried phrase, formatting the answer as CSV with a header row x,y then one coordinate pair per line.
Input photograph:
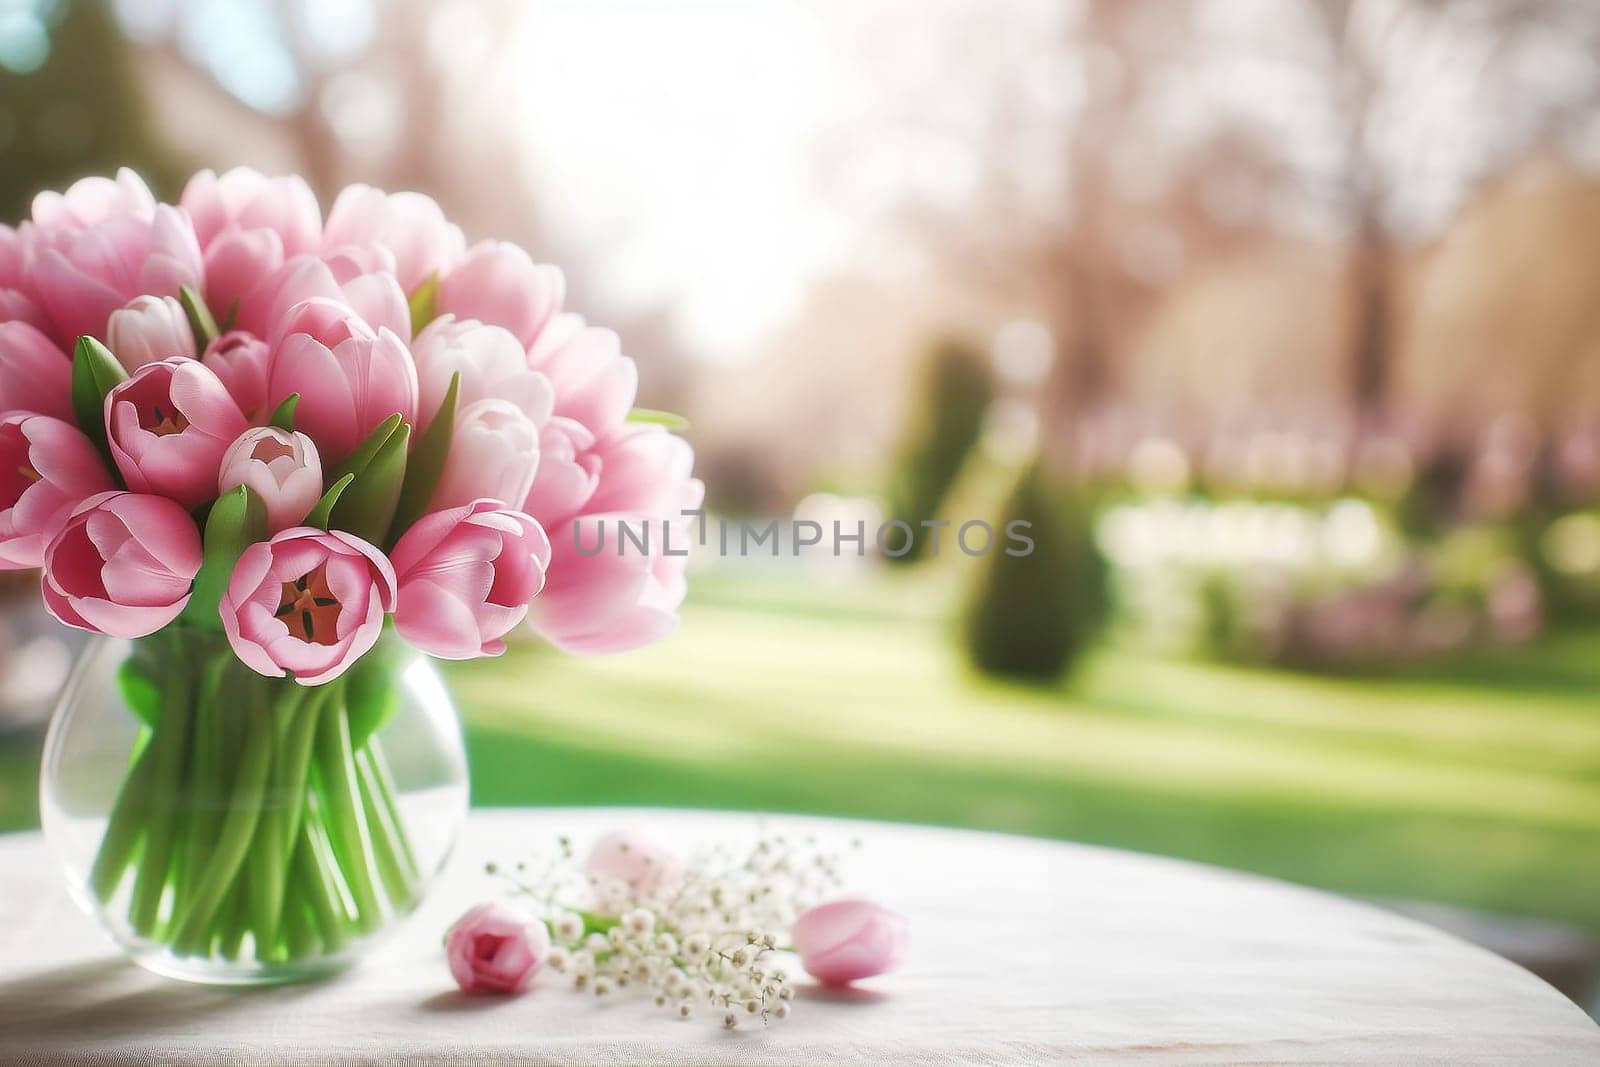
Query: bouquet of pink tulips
x,y
256,443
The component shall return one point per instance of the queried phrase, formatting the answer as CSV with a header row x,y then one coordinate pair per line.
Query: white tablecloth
x,y
1023,951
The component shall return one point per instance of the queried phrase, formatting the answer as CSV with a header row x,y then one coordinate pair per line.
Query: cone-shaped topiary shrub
x,y
1030,615
946,422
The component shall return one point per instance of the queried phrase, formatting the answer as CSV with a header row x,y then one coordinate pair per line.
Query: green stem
x,y
238,827
386,793
234,923
125,828
206,798
311,870
170,744
267,868
347,824
397,881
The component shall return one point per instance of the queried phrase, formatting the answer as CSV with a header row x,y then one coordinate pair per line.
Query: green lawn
x,y
1476,783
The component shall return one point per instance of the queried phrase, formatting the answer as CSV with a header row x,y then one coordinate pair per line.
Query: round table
x,y
1023,951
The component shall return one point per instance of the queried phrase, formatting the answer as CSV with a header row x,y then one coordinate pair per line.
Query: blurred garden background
x,y
1278,321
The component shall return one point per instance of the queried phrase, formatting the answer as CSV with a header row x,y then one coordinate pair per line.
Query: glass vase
x,y
230,828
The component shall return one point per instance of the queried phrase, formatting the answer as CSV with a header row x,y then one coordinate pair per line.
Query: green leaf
x,y
424,303
283,414
366,509
238,520
320,514
658,418
139,691
357,461
229,318
372,689
426,463
95,372
200,320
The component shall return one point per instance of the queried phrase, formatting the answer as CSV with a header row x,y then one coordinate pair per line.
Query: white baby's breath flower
x,y
666,944
639,921
567,927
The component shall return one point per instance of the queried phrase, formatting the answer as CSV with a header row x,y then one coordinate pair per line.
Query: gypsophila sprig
x,y
709,933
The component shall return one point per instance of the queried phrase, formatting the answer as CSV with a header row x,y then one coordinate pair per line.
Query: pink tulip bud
x,y
409,225
466,576
16,303
568,475
499,284
239,360
349,379
47,468
492,949
368,292
608,597
310,602
168,426
280,467
236,262
640,862
494,454
149,329
248,201
84,271
594,383
35,375
93,200
490,361
844,940
122,565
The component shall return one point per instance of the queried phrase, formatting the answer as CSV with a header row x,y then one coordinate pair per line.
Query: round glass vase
x,y
229,828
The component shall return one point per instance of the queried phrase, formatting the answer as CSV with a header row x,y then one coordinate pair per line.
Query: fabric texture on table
x,y
1022,952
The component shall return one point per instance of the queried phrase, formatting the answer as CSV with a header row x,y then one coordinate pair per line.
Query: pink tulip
x,y
122,565
248,201
236,262
280,467
492,949
147,330
35,375
594,383
47,468
349,379
239,360
490,361
364,285
620,597
569,472
844,940
466,576
83,271
91,201
494,453
17,303
168,426
640,862
499,284
308,601
410,225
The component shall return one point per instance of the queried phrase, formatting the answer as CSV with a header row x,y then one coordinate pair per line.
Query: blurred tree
x,y
1030,615
1077,161
70,105
947,421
